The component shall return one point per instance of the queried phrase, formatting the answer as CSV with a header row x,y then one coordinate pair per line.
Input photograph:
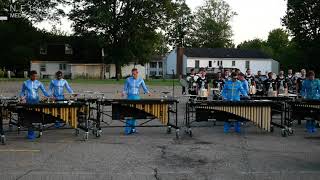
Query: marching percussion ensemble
x,y
273,101
235,98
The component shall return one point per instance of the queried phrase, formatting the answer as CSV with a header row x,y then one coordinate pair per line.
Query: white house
x,y
181,60
155,67
47,69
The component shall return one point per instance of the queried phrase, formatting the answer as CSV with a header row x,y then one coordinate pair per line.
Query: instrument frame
x,y
171,110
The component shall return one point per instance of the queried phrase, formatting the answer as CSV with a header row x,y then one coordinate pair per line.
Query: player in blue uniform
x,y
132,91
30,94
232,90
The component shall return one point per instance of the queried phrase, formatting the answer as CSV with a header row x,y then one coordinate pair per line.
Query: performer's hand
x,y
122,94
149,94
75,95
22,99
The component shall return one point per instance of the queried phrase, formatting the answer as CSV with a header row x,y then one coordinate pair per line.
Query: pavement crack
x,y
156,174
163,151
245,156
25,174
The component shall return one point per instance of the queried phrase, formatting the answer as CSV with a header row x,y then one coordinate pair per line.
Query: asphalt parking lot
x,y
153,154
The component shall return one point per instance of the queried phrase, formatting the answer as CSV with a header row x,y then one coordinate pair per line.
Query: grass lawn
x,y
150,82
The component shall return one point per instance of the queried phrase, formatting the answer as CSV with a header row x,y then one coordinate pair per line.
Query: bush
x,y
1,73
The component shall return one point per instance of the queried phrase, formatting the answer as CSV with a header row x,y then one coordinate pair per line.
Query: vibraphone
x,y
72,113
146,109
258,112
301,109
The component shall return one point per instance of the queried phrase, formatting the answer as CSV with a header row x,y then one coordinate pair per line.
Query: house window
x,y
219,63
197,64
153,65
160,64
43,50
62,67
43,68
210,63
153,73
233,63
247,64
68,49
108,68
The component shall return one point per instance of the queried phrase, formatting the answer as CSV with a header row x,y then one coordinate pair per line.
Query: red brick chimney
x,y
180,54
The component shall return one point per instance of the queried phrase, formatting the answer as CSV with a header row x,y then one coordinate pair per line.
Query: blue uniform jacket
x,y
56,88
311,89
30,89
245,85
232,91
132,86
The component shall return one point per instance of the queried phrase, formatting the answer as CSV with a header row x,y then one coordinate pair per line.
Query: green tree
x,y
258,44
19,39
303,21
278,41
127,28
211,28
179,24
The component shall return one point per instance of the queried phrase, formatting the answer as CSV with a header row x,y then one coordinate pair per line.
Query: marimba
x,y
301,109
258,112
73,114
4,114
144,109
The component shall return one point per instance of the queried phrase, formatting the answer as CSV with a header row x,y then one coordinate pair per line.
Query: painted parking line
x,y
19,150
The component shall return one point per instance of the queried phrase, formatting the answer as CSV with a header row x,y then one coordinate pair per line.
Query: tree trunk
x,y
118,71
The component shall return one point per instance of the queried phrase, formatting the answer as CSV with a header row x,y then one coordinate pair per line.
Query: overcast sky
x,y
255,19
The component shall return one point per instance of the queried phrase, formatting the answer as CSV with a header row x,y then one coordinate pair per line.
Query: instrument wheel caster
x,y
40,134
86,136
272,129
94,131
284,132
290,131
189,132
169,130
98,133
3,140
76,132
177,134
290,123
10,128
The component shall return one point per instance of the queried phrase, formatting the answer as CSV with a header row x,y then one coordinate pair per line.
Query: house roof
x,y
225,53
